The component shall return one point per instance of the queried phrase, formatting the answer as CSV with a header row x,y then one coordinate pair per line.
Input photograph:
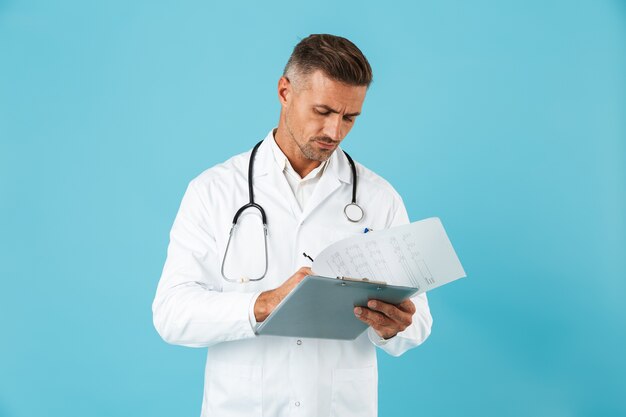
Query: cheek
x,y
346,129
306,124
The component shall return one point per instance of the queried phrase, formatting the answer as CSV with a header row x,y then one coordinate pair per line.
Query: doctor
x,y
211,297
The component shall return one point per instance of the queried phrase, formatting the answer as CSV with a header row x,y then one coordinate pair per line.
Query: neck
x,y
300,163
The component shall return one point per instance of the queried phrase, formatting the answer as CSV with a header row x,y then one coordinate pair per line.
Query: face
x,y
319,112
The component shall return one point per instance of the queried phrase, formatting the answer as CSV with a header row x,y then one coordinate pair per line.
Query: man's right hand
x,y
268,300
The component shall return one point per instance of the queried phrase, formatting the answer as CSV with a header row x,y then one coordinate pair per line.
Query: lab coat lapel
x,y
336,173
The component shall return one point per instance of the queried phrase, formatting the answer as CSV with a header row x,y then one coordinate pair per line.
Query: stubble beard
x,y
308,149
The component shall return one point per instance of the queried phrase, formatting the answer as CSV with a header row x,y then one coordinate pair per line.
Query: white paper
x,y
417,255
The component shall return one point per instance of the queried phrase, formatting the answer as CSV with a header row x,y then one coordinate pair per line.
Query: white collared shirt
x,y
302,187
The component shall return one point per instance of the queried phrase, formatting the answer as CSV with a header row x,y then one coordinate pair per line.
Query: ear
x,y
285,89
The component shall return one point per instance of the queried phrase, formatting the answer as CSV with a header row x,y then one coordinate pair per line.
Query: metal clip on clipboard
x,y
380,284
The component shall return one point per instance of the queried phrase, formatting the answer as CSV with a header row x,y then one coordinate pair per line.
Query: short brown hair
x,y
336,57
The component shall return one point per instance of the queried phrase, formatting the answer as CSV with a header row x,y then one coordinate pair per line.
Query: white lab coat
x,y
249,375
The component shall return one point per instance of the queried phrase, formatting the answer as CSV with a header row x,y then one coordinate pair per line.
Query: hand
x,y
386,319
268,300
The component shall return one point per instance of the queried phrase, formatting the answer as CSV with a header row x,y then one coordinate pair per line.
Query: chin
x,y
325,156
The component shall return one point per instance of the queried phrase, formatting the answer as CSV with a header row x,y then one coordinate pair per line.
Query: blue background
x,y
506,119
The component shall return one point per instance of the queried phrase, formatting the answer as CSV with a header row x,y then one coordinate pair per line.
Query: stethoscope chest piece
x,y
353,212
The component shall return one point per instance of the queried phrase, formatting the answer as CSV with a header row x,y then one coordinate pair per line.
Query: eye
x,y
321,112
348,119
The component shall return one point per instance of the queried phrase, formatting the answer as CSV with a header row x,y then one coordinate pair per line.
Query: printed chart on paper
x,y
419,255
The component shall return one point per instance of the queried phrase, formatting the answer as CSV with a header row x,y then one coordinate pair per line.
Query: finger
x,y
381,328
390,311
294,280
372,318
407,305
305,271
300,274
365,318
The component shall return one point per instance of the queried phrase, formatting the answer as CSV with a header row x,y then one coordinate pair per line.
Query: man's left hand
x,y
386,319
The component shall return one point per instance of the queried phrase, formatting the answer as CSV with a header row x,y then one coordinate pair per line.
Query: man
x,y
211,297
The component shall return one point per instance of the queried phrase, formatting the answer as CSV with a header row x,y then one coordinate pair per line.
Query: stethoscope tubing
x,y
350,207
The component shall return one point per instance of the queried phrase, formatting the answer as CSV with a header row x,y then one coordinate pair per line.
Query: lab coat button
x,y
297,403
299,342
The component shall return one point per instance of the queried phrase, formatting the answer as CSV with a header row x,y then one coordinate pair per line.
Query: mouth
x,y
326,145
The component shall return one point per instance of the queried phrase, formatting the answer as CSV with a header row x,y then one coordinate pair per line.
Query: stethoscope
x,y
352,211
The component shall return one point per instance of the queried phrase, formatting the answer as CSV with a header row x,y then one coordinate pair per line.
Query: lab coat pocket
x,y
354,392
232,390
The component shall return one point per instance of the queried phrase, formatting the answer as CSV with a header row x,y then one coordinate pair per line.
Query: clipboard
x,y
323,308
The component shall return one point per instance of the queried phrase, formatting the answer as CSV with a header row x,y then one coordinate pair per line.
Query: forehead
x,y
319,89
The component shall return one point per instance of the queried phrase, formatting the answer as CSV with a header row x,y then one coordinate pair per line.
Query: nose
x,y
332,127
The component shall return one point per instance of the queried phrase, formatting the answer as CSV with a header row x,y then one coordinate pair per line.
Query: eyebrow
x,y
330,109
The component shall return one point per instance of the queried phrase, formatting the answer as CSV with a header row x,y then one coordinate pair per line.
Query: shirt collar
x,y
285,166
337,165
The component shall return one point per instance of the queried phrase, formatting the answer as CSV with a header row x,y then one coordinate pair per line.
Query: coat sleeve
x,y
420,328
189,308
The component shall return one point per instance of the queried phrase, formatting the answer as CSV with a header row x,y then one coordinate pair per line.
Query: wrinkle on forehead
x,y
317,88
